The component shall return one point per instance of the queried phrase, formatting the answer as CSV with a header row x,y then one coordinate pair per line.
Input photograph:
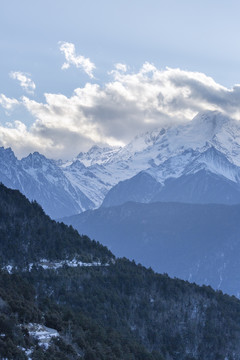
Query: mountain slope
x,y
42,180
51,188
27,235
140,188
194,242
112,311
202,187
193,176
168,317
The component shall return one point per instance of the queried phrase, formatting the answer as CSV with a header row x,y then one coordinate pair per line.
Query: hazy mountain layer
x,y
199,243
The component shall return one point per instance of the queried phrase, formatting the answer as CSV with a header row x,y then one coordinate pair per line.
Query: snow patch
x,y
53,265
28,352
42,333
8,268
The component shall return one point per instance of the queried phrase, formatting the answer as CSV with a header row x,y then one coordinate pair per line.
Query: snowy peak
x,y
42,169
97,155
163,153
191,161
77,165
213,121
199,133
36,161
207,129
143,141
213,129
7,155
215,162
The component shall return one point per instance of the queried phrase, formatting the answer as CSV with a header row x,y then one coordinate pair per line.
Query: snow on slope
x,y
163,153
41,179
97,155
192,161
211,141
42,333
54,265
94,181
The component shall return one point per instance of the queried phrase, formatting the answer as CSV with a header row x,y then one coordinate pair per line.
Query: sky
x,y
77,73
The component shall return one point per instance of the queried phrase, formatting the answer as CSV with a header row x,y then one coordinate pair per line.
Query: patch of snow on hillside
x,y
42,333
9,268
51,265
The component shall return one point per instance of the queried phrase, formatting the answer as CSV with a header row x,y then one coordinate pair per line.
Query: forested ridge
x,y
27,234
119,310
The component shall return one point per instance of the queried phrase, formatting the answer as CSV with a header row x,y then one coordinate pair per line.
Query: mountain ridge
x,y
210,142
196,242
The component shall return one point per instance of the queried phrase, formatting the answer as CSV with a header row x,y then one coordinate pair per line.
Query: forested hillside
x,y
27,235
108,310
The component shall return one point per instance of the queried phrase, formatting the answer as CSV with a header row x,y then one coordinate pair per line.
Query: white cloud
x,y
23,141
128,104
68,49
25,81
121,67
8,103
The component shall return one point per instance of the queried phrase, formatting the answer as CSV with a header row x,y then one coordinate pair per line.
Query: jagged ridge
x,y
209,143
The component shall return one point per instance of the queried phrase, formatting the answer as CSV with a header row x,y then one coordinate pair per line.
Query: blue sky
x,y
199,38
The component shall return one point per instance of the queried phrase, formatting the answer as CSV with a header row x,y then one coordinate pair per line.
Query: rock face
x,y
197,162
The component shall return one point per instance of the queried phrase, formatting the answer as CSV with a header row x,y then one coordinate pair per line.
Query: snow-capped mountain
x,y
192,177
97,155
208,145
41,179
202,155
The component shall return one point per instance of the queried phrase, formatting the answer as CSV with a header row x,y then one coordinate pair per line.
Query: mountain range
x,y
170,200
196,162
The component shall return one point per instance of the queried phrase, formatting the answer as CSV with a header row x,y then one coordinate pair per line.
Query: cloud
x,y
25,81
8,103
22,141
68,49
121,67
131,102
